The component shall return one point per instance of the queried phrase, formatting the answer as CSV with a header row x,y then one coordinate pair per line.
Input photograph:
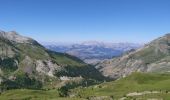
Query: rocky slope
x,y
93,52
153,57
24,63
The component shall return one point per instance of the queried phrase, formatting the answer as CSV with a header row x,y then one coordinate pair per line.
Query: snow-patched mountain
x,y
93,52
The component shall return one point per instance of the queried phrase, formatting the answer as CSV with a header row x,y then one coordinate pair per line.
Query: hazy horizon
x,y
86,42
134,21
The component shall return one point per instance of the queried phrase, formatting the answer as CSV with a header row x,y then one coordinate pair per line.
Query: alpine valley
x,y
92,52
29,71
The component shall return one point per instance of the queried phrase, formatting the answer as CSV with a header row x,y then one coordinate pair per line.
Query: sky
x,y
138,21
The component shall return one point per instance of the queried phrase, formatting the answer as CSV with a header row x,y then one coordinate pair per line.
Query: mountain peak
x,y
168,34
15,37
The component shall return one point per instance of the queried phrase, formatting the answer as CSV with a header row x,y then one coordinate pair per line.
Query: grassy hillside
x,y
137,82
25,94
140,86
66,59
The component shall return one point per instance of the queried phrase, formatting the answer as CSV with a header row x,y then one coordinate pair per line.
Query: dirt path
x,y
140,94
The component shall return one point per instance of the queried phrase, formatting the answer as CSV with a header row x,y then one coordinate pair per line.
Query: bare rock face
x,y
154,57
47,67
14,36
6,51
121,67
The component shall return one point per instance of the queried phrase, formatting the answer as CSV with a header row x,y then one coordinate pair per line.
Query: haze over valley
x,y
84,50
92,52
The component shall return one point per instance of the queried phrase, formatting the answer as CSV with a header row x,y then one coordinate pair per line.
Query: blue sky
x,y
84,20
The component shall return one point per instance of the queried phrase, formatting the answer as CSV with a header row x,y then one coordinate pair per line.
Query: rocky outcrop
x,y
47,67
14,36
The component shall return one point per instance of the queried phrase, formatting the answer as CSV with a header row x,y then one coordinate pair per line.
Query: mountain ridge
x,y
153,57
14,36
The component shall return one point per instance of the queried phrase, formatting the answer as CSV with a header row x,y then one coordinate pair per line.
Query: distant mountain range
x,y
93,52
